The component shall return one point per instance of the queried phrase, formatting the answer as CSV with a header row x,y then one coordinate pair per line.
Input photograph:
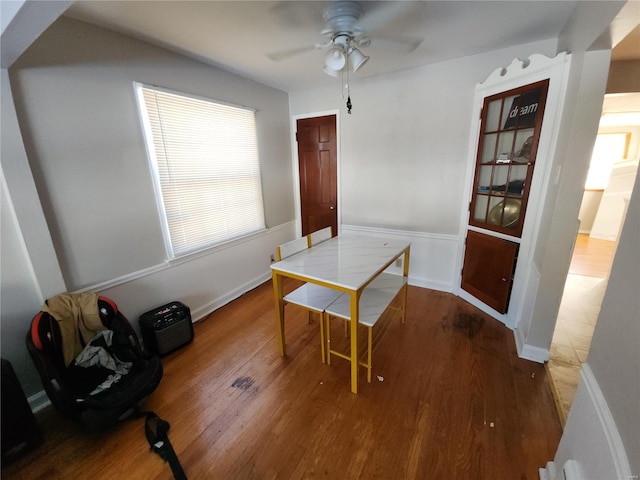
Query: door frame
x,y
295,169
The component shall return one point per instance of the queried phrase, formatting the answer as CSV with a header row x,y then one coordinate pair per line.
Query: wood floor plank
x,y
452,401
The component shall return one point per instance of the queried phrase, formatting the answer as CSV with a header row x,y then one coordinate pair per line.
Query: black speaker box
x,y
166,328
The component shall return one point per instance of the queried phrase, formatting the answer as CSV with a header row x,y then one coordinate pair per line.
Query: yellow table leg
x,y
277,293
405,269
355,300
405,273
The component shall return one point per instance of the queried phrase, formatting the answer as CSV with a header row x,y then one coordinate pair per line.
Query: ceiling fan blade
x,y
292,52
303,15
377,15
406,44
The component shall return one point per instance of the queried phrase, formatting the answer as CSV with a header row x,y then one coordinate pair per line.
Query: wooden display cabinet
x,y
509,133
507,147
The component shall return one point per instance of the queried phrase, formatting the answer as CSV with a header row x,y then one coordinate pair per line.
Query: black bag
x,y
156,431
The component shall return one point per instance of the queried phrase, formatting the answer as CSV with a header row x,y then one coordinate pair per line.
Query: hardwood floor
x,y
453,402
592,257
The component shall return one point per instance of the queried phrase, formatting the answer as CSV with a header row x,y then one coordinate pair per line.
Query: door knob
x,y
332,207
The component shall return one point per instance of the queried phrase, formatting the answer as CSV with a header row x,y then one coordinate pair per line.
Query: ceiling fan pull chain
x,y
349,105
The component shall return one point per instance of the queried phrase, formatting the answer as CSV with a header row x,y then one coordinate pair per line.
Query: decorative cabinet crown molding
x,y
518,67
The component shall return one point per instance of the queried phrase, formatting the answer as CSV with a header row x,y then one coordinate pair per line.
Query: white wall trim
x,y
529,352
608,424
591,447
14,218
432,255
547,473
38,401
206,309
129,277
398,233
178,261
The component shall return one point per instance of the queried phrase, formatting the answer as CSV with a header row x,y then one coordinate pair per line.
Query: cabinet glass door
x,y
510,128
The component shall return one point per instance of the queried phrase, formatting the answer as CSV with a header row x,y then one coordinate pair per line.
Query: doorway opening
x,y
602,215
583,293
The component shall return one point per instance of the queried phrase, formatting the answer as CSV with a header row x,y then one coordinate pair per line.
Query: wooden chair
x,y
374,301
320,236
314,298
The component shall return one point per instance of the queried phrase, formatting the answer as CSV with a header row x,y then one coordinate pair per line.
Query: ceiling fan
x,y
346,27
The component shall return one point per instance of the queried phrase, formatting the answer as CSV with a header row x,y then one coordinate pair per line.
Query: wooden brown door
x,y
317,161
488,269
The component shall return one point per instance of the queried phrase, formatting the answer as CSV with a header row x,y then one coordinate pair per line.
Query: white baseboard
x,y
529,352
38,401
204,310
433,256
549,472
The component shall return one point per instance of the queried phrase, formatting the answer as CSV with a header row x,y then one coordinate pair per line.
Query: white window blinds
x,y
205,157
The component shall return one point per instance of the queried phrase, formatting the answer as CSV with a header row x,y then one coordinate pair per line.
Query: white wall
x,y
589,209
20,294
74,95
81,188
610,216
30,269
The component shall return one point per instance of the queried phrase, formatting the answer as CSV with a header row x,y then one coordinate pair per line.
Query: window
x,y
204,156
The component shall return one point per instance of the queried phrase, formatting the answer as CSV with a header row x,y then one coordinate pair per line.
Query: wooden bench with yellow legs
x,y
374,301
314,298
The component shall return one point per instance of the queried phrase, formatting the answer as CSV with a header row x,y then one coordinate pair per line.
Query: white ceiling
x,y
237,35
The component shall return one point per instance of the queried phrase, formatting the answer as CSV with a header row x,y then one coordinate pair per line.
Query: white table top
x,y
346,261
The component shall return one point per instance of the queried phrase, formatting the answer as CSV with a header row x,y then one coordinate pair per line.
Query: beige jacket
x,y
78,318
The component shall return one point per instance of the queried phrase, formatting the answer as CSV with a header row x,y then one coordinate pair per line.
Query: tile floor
x,y
579,309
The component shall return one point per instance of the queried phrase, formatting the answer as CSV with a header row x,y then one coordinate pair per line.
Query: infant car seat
x,y
116,374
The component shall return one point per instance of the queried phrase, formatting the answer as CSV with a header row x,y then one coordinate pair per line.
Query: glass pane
x,y
510,112
480,212
524,139
484,178
523,110
499,179
493,116
505,143
504,212
517,179
489,148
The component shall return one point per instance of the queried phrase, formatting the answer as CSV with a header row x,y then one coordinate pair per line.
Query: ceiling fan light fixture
x,y
335,59
357,58
330,71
